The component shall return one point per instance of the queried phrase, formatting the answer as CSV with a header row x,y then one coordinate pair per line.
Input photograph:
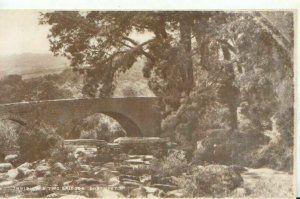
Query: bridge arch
x,y
130,127
138,116
73,129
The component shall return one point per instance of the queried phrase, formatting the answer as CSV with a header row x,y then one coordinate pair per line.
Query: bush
x,y
222,146
36,143
212,181
273,186
173,165
99,126
8,135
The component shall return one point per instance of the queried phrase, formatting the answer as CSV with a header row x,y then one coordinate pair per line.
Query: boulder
x,y
89,142
239,192
25,165
52,195
36,188
140,140
138,193
131,184
143,157
129,177
178,193
151,189
145,179
41,170
156,179
27,183
238,169
7,183
12,174
106,193
24,172
4,167
136,161
85,167
59,167
165,187
11,158
216,180
87,181
48,174
113,181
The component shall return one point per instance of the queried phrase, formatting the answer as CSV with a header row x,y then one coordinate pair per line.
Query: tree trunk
x,y
231,93
186,42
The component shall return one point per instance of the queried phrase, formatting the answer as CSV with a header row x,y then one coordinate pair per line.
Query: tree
x,y
182,45
100,44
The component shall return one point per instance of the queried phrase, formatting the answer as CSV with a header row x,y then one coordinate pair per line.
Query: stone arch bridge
x,y
139,116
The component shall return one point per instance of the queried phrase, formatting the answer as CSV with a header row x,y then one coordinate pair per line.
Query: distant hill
x,y
32,65
29,65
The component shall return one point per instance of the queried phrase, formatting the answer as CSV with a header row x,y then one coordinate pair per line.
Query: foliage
x,y
14,89
171,165
226,147
36,142
100,45
99,126
212,181
278,185
8,135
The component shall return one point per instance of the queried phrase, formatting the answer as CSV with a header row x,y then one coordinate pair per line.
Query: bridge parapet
x,y
139,116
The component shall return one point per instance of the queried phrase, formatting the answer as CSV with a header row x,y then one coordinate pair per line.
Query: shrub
x,y
230,147
36,143
271,186
212,181
8,135
172,165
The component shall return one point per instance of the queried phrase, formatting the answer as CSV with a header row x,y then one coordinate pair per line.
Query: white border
x,y
150,4
182,5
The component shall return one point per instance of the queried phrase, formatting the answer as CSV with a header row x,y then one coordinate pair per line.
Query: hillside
x,y
31,65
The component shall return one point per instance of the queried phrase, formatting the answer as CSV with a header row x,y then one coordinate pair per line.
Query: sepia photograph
x,y
147,104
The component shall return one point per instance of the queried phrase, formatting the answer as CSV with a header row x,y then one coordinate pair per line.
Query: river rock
x,y
27,183
7,183
165,187
11,158
136,161
59,167
41,170
4,167
239,192
145,179
12,174
129,177
138,193
52,195
25,165
87,181
36,188
24,172
151,190
113,181
178,193
238,169
85,167
139,140
131,184
106,193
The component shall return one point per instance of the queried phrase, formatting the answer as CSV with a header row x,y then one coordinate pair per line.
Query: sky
x,y
20,33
